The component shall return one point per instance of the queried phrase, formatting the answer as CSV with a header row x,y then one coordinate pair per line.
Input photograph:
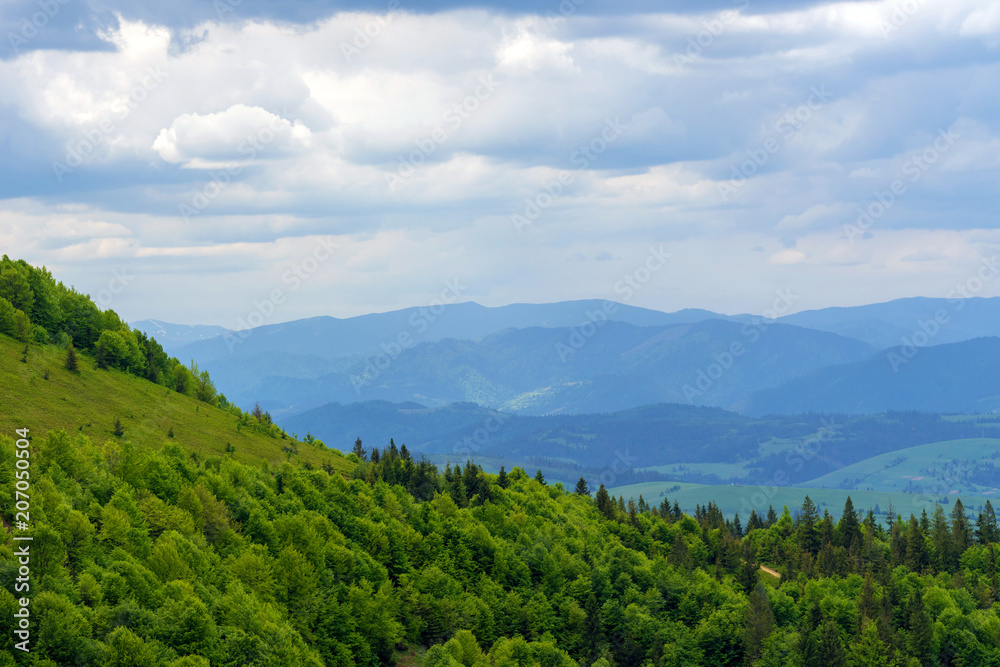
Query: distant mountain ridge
x,y
528,371
172,336
574,357
951,378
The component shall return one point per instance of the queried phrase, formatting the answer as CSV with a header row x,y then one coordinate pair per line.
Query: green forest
x,y
150,557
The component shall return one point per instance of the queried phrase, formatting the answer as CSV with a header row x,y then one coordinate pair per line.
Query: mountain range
x,y
583,357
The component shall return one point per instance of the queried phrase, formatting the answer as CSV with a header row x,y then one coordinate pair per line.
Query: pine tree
x,y
119,429
807,536
404,453
605,505
986,525
72,364
848,530
539,477
920,640
359,450
758,623
831,648
960,533
582,488
502,480
747,574
772,516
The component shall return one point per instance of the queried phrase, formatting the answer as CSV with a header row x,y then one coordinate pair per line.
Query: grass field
x,y
741,499
936,467
42,395
723,471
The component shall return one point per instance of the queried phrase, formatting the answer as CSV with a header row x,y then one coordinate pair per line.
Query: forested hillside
x,y
152,557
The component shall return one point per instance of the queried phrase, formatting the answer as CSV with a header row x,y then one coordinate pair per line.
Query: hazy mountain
x,y
374,333
884,325
558,370
958,377
172,336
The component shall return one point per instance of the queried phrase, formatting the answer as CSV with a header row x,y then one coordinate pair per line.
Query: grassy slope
x,y
733,499
887,473
90,400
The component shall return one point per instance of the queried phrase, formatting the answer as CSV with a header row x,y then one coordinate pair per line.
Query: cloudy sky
x,y
190,161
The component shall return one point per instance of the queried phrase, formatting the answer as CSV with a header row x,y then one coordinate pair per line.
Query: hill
x,y
953,378
40,394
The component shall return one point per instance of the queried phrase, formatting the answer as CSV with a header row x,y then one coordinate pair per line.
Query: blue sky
x,y
358,157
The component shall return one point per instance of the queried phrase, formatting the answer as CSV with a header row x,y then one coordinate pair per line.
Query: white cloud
x,y
239,134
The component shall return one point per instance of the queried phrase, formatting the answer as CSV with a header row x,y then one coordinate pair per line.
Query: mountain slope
x,y
884,325
42,395
958,377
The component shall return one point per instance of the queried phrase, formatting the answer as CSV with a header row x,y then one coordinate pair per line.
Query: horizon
x,y
791,311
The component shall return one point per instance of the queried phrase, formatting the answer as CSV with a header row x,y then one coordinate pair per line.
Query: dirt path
x,y
773,573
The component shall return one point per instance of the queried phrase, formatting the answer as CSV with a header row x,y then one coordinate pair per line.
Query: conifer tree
x,y
72,364
539,477
581,487
359,450
502,480
831,648
605,505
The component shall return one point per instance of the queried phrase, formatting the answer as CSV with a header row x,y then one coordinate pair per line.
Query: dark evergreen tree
x,y
986,525
72,364
359,450
581,487
502,481
848,530
758,623
604,503
920,640
831,647
539,477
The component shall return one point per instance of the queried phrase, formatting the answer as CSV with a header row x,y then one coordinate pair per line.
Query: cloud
x,y
185,91
239,134
787,256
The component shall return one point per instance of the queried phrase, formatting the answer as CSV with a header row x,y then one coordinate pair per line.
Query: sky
x,y
197,162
